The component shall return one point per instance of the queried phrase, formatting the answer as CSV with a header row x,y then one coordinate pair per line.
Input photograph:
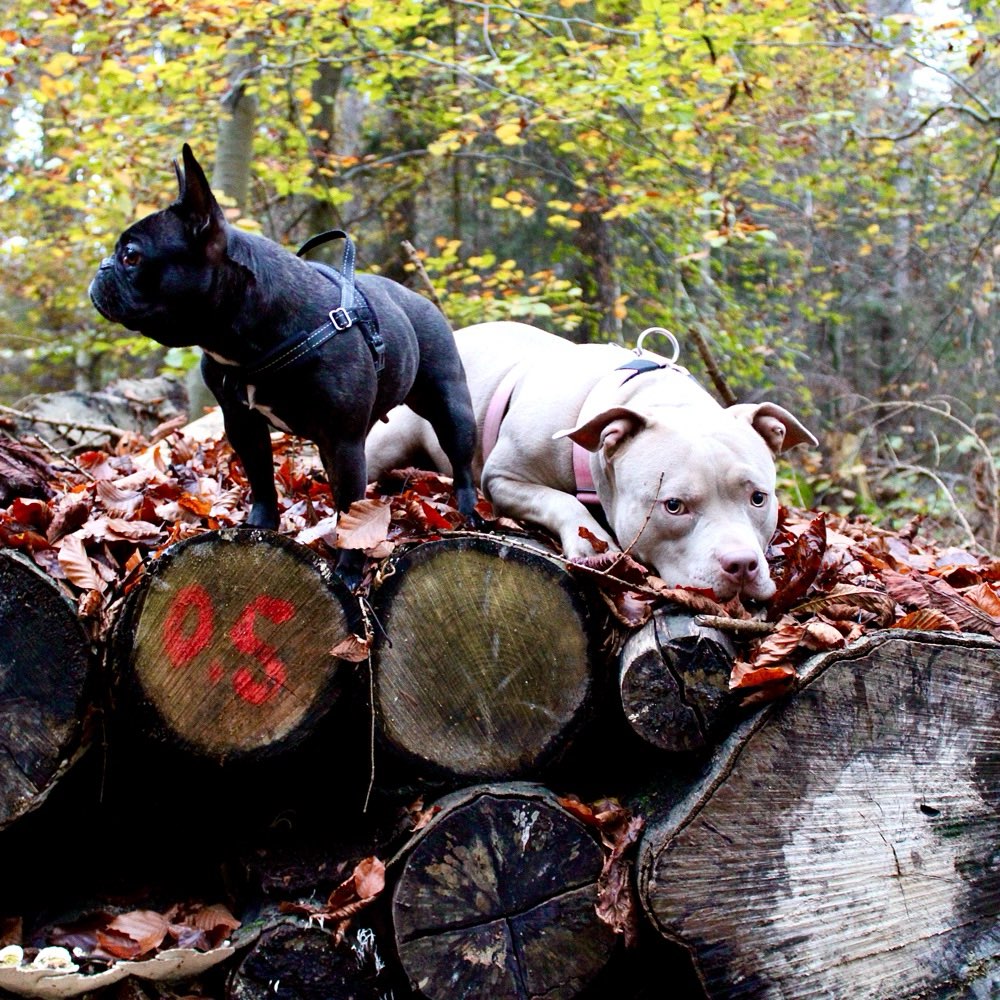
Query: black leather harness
x,y
353,311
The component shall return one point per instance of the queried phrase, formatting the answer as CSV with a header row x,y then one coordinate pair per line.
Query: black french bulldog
x,y
279,345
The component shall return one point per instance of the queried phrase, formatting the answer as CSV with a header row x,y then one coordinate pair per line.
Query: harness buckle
x,y
341,319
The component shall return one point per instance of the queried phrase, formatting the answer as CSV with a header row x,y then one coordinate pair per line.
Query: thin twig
x,y
412,257
744,626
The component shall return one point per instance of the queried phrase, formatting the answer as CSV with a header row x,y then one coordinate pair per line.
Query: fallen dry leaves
x,y
110,514
356,892
106,937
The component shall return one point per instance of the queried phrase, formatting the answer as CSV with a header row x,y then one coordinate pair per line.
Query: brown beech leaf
x,y
202,506
324,530
610,568
31,513
905,588
800,563
77,565
369,877
778,678
819,636
935,593
89,605
780,644
419,815
118,502
927,620
619,831
214,920
133,934
701,602
71,512
364,526
846,597
365,883
984,597
352,648
629,607
132,531
599,545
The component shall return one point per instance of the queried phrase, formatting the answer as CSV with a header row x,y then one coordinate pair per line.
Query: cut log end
x,y
230,642
45,659
674,681
497,899
845,843
488,659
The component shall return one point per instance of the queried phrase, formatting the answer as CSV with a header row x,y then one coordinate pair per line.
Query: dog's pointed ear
x,y
180,179
779,429
198,209
608,430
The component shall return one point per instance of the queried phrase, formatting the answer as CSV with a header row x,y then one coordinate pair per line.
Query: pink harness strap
x,y
497,410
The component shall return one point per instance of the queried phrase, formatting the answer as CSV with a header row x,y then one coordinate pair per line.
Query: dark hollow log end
x,y
497,898
846,842
488,663
654,705
290,960
45,663
228,647
674,683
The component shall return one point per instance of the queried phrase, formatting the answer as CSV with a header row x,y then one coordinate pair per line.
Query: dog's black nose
x,y
106,263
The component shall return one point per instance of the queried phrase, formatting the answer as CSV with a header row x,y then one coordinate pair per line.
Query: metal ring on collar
x,y
663,332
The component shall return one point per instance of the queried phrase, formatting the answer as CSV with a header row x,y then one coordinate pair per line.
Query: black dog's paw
x,y
350,567
262,516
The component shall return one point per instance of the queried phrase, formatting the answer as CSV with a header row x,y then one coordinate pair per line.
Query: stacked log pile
x,y
486,772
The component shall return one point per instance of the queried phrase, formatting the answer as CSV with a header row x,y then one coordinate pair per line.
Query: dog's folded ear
x,y
199,211
779,429
607,430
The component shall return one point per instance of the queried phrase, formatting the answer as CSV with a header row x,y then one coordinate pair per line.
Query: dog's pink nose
x,y
741,565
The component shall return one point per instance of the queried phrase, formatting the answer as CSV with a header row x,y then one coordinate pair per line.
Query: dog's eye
x,y
130,256
758,498
674,506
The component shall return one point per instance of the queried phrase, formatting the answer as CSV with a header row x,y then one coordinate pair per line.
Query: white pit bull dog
x,y
685,485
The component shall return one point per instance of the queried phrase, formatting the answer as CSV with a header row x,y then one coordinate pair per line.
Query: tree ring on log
x,y
845,842
228,642
497,898
45,662
485,660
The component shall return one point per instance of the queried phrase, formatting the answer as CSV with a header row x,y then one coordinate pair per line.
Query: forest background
x,y
812,187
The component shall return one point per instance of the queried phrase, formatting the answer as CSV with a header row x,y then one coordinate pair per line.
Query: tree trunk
x,y
844,842
674,681
234,150
496,898
488,656
45,660
226,649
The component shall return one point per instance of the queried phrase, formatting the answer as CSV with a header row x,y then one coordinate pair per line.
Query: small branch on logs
x,y
736,626
113,432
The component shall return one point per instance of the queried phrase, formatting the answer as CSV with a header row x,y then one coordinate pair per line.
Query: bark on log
x,y
845,842
496,898
674,681
291,961
45,660
488,656
226,646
